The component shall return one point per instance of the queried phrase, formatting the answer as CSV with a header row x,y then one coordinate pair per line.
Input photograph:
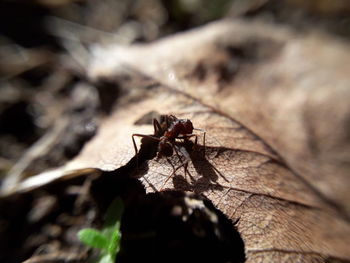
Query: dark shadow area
x,y
17,122
168,226
28,29
177,227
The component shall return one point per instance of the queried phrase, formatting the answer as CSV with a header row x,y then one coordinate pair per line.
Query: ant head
x,y
165,149
188,126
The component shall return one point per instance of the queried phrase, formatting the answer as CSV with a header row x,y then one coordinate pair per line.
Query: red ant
x,y
167,133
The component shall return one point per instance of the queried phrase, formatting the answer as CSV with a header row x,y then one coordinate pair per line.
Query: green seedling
x,y
108,239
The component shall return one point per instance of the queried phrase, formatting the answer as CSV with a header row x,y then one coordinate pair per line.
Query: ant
x,y
166,134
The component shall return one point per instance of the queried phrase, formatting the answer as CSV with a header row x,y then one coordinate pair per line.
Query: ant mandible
x,y
167,133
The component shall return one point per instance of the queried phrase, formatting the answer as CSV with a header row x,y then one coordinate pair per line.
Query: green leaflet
x,y
108,239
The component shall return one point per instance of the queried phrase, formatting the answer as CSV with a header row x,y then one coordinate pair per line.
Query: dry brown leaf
x,y
275,107
291,89
280,217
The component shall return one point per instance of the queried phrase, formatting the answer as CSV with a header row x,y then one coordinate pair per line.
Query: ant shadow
x,y
208,173
138,164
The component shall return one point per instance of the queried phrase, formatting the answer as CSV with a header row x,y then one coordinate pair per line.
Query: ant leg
x,y
174,169
157,127
204,133
187,157
183,164
171,175
134,143
189,136
177,153
167,121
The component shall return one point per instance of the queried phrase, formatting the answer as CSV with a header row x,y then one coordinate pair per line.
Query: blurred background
x,y
44,93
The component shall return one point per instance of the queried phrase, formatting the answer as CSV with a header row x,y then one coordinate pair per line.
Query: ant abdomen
x,y
165,148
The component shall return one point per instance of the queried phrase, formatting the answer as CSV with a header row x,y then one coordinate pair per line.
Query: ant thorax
x,y
180,126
